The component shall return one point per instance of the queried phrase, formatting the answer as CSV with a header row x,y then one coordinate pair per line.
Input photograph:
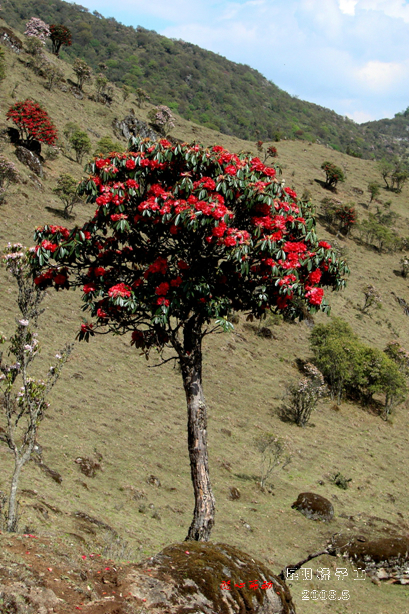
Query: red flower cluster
x,y
32,122
205,229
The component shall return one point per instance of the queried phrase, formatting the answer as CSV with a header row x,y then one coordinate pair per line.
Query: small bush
x,y
273,452
302,398
340,480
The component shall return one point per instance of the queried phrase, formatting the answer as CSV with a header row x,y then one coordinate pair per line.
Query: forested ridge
x,y
202,86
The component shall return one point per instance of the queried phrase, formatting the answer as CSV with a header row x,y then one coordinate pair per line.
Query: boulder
x,y
207,578
314,506
30,159
131,126
385,558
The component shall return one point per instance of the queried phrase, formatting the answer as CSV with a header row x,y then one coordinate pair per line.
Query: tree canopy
x,y
182,235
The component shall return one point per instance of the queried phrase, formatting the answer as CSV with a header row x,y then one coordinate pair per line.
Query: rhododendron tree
x,y
60,35
38,28
33,122
182,235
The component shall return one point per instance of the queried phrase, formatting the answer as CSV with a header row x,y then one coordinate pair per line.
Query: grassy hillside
x,y
201,86
110,405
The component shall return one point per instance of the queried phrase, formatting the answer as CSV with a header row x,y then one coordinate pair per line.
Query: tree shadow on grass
x,y
60,213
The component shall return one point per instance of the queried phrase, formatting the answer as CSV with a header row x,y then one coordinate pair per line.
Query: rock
x,y
8,38
30,159
314,506
21,599
188,577
386,558
131,126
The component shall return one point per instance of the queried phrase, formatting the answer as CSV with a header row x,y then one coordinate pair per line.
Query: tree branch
x,y
328,550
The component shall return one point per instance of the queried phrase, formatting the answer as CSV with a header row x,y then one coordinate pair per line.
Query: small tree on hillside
x,y
83,72
81,144
33,122
141,96
333,175
66,190
37,28
23,396
60,36
181,237
374,189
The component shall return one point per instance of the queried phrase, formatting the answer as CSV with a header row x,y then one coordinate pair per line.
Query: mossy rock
x,y
383,551
187,577
314,506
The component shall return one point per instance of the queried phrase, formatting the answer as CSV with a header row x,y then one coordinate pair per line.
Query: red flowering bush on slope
x,y
181,236
33,122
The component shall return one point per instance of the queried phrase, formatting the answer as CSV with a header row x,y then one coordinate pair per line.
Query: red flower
x,y
131,183
162,289
325,245
101,313
315,296
163,301
175,283
88,288
130,164
120,290
183,265
51,247
314,277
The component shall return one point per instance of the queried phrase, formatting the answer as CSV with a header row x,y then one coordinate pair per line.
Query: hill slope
x,y
199,85
109,404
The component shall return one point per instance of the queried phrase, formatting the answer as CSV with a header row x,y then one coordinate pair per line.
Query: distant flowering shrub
x,y
38,28
161,117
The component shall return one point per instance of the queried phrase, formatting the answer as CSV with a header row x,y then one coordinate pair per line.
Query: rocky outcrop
x,y
30,159
131,126
7,37
314,506
207,578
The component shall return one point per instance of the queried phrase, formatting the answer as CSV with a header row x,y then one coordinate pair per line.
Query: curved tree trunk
x,y
191,365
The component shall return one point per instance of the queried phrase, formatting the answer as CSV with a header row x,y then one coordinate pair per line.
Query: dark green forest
x,y
205,87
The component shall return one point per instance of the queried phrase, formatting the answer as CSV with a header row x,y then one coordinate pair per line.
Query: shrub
x,y
23,396
106,145
353,368
273,453
302,398
38,29
83,72
141,96
34,46
347,218
80,143
341,481
162,119
372,299
374,189
66,190
333,175
8,174
404,265
33,122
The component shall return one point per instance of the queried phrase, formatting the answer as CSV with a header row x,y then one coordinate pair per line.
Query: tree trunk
x,y
12,506
191,365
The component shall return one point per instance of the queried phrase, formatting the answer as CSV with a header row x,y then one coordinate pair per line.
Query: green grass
x,y
108,399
